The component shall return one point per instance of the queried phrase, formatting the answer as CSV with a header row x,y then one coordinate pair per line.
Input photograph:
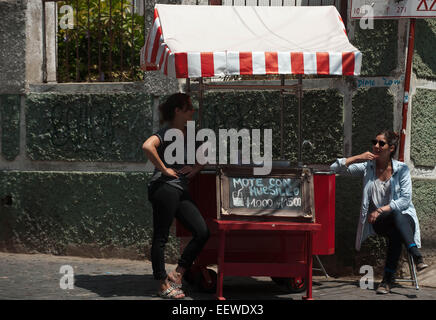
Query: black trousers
x,y
399,229
170,202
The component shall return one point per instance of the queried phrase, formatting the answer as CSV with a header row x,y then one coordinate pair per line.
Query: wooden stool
x,y
412,269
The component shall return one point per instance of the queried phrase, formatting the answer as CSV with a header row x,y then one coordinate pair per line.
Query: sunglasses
x,y
380,142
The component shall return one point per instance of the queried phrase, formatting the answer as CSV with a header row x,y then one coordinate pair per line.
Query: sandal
x,y
171,293
175,284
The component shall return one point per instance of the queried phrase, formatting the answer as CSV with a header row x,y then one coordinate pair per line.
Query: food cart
x,y
256,233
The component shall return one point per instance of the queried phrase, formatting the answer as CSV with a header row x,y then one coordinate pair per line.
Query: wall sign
x,y
393,9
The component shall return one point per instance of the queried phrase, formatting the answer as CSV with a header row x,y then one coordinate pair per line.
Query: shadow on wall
x,y
92,214
372,112
378,47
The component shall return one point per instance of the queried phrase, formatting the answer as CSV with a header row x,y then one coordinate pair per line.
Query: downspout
x,y
407,87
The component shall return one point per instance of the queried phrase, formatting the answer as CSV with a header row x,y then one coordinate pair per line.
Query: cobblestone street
x,y
38,277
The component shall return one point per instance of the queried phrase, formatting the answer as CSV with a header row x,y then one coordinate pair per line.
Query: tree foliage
x,y
104,43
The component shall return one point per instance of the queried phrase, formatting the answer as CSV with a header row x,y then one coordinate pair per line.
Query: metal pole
x,y
111,35
89,45
100,77
322,267
200,103
55,14
132,58
188,86
407,87
282,105
343,12
67,52
300,94
44,45
77,43
121,39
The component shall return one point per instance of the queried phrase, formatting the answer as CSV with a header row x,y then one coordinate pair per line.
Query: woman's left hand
x,y
373,216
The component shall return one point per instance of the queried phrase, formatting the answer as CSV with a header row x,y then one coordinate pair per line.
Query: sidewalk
x,y
37,277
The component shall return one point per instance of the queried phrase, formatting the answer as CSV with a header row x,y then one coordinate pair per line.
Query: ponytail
x,y
167,109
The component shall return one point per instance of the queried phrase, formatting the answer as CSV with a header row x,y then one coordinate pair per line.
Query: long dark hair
x,y
391,138
167,109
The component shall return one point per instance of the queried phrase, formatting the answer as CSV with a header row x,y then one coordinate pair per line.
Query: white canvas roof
x,y
205,41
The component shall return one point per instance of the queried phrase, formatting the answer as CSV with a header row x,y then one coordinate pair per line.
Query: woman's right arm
x,y
150,147
354,165
360,158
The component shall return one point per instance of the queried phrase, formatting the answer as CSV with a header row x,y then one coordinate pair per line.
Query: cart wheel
x,y
279,281
194,277
207,287
292,285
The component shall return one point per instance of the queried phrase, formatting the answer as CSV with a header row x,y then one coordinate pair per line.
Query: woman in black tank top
x,y
169,195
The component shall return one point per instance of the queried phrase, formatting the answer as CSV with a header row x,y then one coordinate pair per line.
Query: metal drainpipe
x,y
407,87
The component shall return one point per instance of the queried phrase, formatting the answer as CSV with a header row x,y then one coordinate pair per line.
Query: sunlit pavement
x,y
39,277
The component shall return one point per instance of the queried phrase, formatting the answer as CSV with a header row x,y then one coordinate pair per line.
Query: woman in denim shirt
x,y
387,207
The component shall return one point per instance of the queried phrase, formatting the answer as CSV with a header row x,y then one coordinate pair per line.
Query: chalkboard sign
x,y
265,193
285,192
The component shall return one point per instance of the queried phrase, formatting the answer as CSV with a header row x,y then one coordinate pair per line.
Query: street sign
x,y
393,9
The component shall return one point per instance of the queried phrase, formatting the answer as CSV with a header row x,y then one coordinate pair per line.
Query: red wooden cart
x,y
281,250
196,42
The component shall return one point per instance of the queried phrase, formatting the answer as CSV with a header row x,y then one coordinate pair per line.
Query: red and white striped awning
x,y
207,41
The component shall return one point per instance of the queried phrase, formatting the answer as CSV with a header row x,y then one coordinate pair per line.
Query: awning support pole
x,y
282,106
200,103
300,94
188,86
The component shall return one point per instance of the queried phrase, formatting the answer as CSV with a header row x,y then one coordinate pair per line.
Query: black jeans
x,y
168,203
399,229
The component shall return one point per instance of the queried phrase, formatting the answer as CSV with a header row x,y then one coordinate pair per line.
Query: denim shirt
x,y
401,194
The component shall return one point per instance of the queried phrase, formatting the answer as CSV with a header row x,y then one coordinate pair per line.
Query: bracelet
x,y
379,210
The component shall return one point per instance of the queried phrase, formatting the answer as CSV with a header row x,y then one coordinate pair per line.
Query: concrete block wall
x,y
422,131
73,177
376,104
321,119
12,43
93,214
